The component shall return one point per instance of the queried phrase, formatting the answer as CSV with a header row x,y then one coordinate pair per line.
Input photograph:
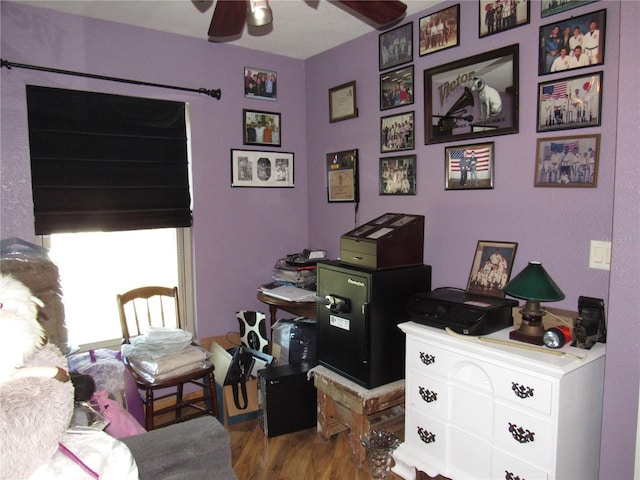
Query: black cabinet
x,y
358,335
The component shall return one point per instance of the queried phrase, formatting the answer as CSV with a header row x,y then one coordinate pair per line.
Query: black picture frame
x,y
491,267
397,132
592,43
255,168
454,106
445,36
398,175
551,7
571,102
342,177
396,88
493,18
469,167
268,122
395,46
343,102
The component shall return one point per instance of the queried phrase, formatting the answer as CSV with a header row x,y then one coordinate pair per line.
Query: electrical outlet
x,y
600,255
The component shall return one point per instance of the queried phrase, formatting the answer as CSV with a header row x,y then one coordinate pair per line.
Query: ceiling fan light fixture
x,y
258,13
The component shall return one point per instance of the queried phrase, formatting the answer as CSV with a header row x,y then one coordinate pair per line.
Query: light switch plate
x,y
600,255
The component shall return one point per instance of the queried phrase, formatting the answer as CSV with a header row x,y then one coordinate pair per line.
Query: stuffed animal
x,y
36,397
37,404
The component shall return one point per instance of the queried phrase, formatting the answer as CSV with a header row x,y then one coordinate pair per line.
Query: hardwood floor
x,y
294,456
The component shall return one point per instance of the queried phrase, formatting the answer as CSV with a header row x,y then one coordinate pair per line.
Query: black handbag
x,y
239,372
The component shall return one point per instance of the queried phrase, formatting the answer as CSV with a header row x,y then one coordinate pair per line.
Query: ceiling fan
x,y
229,16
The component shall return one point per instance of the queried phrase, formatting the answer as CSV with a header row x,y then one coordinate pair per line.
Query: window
x,y
95,266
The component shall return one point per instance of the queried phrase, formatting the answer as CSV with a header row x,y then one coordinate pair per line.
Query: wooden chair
x,y
140,309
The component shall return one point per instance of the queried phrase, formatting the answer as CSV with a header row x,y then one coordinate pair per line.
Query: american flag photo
x,y
570,103
469,166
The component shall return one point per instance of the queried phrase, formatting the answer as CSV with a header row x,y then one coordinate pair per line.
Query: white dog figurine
x,y
490,102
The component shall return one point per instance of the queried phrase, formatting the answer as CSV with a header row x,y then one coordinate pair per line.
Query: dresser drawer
x,y
429,359
426,434
525,436
428,395
509,467
525,391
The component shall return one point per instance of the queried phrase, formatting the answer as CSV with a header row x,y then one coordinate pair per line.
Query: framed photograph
x,y
574,102
567,161
471,98
469,167
575,42
496,16
397,132
440,30
261,128
396,46
551,7
342,102
398,175
342,176
491,268
253,168
260,84
396,88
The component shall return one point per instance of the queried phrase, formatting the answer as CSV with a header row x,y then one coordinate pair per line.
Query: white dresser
x,y
482,410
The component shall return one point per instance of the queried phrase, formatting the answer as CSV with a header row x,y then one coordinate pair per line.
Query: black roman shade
x,y
102,162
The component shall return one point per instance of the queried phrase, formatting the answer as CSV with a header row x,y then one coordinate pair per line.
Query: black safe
x,y
287,399
358,315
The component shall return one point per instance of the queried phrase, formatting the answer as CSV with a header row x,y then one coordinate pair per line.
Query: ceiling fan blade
x,y
228,18
381,12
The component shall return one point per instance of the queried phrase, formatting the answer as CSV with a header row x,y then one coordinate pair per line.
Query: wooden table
x,y
345,405
301,309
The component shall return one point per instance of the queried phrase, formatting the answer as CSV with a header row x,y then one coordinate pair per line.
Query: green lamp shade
x,y
534,283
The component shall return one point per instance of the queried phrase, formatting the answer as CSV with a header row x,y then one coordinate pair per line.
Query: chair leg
x,y
179,402
213,394
148,415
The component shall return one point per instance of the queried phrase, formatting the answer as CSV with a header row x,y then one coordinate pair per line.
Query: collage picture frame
x,y
255,168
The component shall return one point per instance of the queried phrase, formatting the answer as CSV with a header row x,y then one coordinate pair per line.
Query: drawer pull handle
x,y
521,435
427,359
510,476
426,436
521,391
427,395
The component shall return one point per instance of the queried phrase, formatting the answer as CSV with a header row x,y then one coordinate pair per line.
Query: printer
x,y
461,311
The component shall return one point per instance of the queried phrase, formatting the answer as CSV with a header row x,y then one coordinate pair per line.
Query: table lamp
x,y
534,285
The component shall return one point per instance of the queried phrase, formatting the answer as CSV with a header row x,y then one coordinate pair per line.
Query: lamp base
x,y
523,337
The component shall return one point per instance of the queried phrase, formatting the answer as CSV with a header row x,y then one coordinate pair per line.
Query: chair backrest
x,y
146,307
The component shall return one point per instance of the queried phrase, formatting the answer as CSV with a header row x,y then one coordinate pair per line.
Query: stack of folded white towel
x,y
164,353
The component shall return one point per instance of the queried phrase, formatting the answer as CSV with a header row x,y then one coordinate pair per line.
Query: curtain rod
x,y
215,93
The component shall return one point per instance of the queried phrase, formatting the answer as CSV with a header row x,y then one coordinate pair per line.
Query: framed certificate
x,y
342,102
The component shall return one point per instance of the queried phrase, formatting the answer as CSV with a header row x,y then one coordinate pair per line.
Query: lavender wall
x,y
554,226
551,225
237,233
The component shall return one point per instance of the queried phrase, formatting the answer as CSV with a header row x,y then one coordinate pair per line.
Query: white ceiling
x,y
300,29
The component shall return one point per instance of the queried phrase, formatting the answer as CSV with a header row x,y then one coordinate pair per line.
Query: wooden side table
x,y
302,309
345,405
